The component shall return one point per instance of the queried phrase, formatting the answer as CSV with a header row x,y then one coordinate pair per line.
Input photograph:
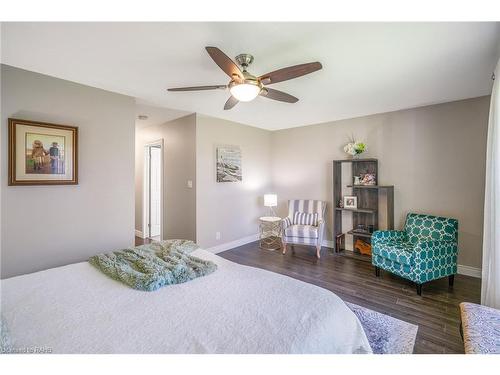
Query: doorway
x,y
153,190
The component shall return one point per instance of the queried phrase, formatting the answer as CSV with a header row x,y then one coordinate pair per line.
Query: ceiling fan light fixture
x,y
245,92
244,86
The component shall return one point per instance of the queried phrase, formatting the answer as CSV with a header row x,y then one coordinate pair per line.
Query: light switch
x,y
190,184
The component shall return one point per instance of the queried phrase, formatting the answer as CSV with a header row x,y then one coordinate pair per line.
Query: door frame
x,y
146,190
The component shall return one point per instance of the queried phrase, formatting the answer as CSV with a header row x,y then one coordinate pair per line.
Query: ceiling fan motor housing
x,y
244,60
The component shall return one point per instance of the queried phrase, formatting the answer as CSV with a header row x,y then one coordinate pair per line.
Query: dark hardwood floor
x,y
353,279
436,312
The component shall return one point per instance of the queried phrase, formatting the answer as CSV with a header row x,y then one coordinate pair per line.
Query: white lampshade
x,y
245,92
270,200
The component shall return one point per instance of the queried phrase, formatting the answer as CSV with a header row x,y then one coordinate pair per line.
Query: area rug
x,y
386,335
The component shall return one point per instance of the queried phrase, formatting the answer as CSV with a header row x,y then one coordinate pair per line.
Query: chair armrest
x,y
286,222
438,248
433,257
380,236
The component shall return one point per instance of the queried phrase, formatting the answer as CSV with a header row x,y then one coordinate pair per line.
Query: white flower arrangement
x,y
354,148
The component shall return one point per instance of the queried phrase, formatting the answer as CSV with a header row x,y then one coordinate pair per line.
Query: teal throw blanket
x,y
149,267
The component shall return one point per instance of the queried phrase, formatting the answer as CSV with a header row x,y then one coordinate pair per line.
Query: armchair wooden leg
x,y
377,271
318,250
419,289
284,246
451,279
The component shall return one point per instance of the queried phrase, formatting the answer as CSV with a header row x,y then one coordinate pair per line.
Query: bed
x,y
236,309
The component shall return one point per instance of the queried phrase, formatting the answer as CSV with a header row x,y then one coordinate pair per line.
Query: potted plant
x,y
354,148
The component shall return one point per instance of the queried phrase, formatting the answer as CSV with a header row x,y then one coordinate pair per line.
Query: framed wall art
x,y
229,164
41,153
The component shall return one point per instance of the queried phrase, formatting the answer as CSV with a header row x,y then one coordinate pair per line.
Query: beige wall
x,y
434,156
49,226
230,208
179,205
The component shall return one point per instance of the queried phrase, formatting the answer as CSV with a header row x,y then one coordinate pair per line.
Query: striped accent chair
x,y
305,224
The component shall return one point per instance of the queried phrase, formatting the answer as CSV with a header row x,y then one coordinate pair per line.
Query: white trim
x,y
138,233
469,271
233,244
243,241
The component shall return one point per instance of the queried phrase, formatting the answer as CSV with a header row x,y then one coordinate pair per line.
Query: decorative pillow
x,y
287,222
302,218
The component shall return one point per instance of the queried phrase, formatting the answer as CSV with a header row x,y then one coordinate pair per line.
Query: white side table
x,y
270,232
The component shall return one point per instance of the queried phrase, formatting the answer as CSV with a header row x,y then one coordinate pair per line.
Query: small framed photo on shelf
x,y
351,202
368,179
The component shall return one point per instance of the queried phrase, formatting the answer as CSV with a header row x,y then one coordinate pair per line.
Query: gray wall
x,y
49,226
179,205
434,156
232,208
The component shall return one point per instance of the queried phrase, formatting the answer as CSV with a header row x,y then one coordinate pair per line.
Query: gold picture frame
x,y
42,153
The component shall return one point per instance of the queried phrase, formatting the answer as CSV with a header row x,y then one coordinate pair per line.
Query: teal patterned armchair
x,y
426,249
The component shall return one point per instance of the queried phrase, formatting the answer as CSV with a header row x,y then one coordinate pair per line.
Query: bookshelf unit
x,y
375,202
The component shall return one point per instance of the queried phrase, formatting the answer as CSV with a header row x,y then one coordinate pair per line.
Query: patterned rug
x,y
386,335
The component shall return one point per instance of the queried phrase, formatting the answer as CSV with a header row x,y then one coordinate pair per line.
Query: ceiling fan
x,y
245,87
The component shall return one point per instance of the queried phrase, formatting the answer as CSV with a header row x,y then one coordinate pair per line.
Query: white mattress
x,y
236,309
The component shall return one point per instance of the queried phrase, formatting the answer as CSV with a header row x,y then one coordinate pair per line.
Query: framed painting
x,y
229,164
42,154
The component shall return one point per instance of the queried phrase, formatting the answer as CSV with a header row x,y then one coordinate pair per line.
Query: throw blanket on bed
x,y
152,266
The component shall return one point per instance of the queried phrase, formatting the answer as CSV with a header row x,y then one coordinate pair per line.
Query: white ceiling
x,y
367,67
156,115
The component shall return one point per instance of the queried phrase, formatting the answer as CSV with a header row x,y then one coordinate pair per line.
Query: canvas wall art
x,y
42,154
229,164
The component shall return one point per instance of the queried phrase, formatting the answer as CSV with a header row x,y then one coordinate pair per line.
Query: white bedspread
x,y
237,309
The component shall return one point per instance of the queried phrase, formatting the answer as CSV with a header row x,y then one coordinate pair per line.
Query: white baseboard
x,y
245,240
233,244
139,234
469,271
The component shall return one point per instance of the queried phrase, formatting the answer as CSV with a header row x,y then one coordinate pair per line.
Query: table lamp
x,y
271,200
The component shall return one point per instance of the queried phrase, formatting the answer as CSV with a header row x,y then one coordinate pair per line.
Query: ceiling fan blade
x,y
225,63
290,72
278,95
231,102
197,88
